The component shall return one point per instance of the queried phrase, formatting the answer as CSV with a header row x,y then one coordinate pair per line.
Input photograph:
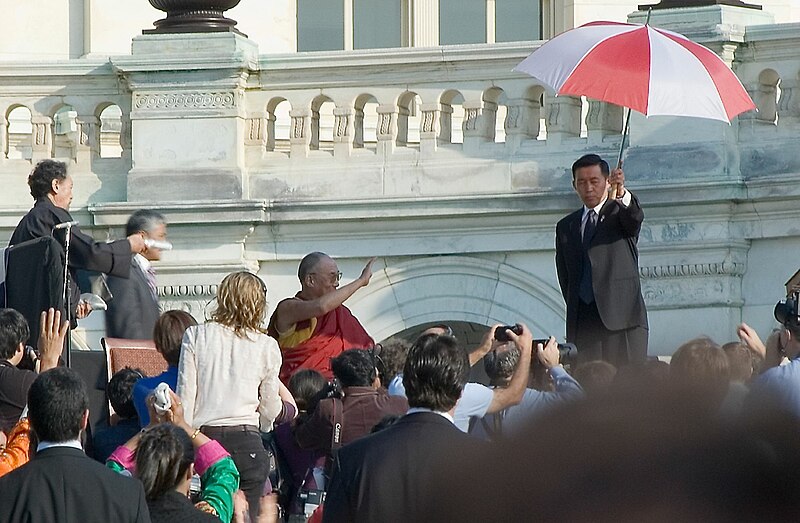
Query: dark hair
x,y
168,334
308,263
595,377
354,368
588,160
392,354
143,220
435,372
41,179
162,458
500,365
57,401
13,331
120,391
304,385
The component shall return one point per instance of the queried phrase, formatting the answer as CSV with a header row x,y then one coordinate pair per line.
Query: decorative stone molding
x,y
256,131
182,292
180,101
724,268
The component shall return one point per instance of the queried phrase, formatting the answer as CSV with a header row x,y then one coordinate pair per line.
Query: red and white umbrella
x,y
652,71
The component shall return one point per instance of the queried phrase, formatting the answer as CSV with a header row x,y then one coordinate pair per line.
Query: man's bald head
x,y
309,263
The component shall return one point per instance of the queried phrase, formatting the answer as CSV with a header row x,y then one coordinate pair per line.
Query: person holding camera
x,y
597,261
501,364
779,386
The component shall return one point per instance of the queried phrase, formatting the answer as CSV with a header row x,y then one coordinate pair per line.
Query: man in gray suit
x,y
133,311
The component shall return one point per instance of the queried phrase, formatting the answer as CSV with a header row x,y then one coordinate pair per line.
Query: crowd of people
x,y
303,417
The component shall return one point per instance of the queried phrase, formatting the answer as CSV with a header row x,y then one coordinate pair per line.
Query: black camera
x,y
500,333
786,311
567,352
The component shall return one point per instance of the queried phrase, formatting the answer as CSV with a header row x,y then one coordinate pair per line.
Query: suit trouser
x,y
243,442
595,342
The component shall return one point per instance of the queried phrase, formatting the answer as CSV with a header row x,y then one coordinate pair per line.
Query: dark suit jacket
x,y
132,312
615,265
362,409
64,485
400,473
84,253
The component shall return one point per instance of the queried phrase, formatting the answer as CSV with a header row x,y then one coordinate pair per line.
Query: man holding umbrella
x,y
597,261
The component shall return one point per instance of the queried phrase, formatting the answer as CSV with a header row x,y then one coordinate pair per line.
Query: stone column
x,y
255,140
41,138
269,120
424,23
387,128
788,106
343,131
435,126
88,145
300,133
563,118
479,123
188,120
603,120
358,128
522,121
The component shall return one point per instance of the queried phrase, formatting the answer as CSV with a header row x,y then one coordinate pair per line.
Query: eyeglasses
x,y
338,275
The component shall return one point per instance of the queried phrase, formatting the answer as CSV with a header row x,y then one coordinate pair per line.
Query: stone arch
x,y
459,288
452,119
279,123
495,106
109,129
408,117
365,108
322,123
767,96
17,131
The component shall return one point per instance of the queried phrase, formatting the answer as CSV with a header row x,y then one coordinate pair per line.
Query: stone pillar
x,y
188,120
300,133
41,138
424,23
255,139
788,106
125,139
522,121
563,118
479,123
88,143
358,128
387,128
435,126
603,120
343,131
269,121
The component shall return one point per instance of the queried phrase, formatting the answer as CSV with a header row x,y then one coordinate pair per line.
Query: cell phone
x,y
501,335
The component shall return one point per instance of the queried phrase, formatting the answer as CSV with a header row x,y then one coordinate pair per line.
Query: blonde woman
x,y
228,378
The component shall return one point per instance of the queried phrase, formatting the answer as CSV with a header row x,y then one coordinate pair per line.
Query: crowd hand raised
x,y
52,333
525,340
548,354
751,339
366,272
137,243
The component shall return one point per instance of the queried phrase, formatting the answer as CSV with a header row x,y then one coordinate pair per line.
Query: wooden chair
x,y
137,354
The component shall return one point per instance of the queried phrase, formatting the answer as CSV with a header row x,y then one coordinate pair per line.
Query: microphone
x,y
157,244
65,225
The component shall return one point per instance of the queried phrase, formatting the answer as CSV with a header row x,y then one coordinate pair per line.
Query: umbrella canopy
x,y
652,71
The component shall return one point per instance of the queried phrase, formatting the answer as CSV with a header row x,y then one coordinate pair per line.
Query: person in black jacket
x,y
597,260
51,188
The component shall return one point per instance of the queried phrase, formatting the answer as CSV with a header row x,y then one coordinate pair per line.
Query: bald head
x,y
309,263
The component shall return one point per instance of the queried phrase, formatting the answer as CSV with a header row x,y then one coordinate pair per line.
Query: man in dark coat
x,y
133,310
401,473
597,260
61,483
51,188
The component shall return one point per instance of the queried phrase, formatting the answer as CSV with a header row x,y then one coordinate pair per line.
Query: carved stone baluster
x,y
522,122
41,138
255,137
343,131
603,119
88,143
788,107
269,120
563,119
300,136
358,128
387,128
479,122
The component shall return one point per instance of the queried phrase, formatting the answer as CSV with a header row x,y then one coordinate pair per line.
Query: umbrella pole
x,y
625,133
